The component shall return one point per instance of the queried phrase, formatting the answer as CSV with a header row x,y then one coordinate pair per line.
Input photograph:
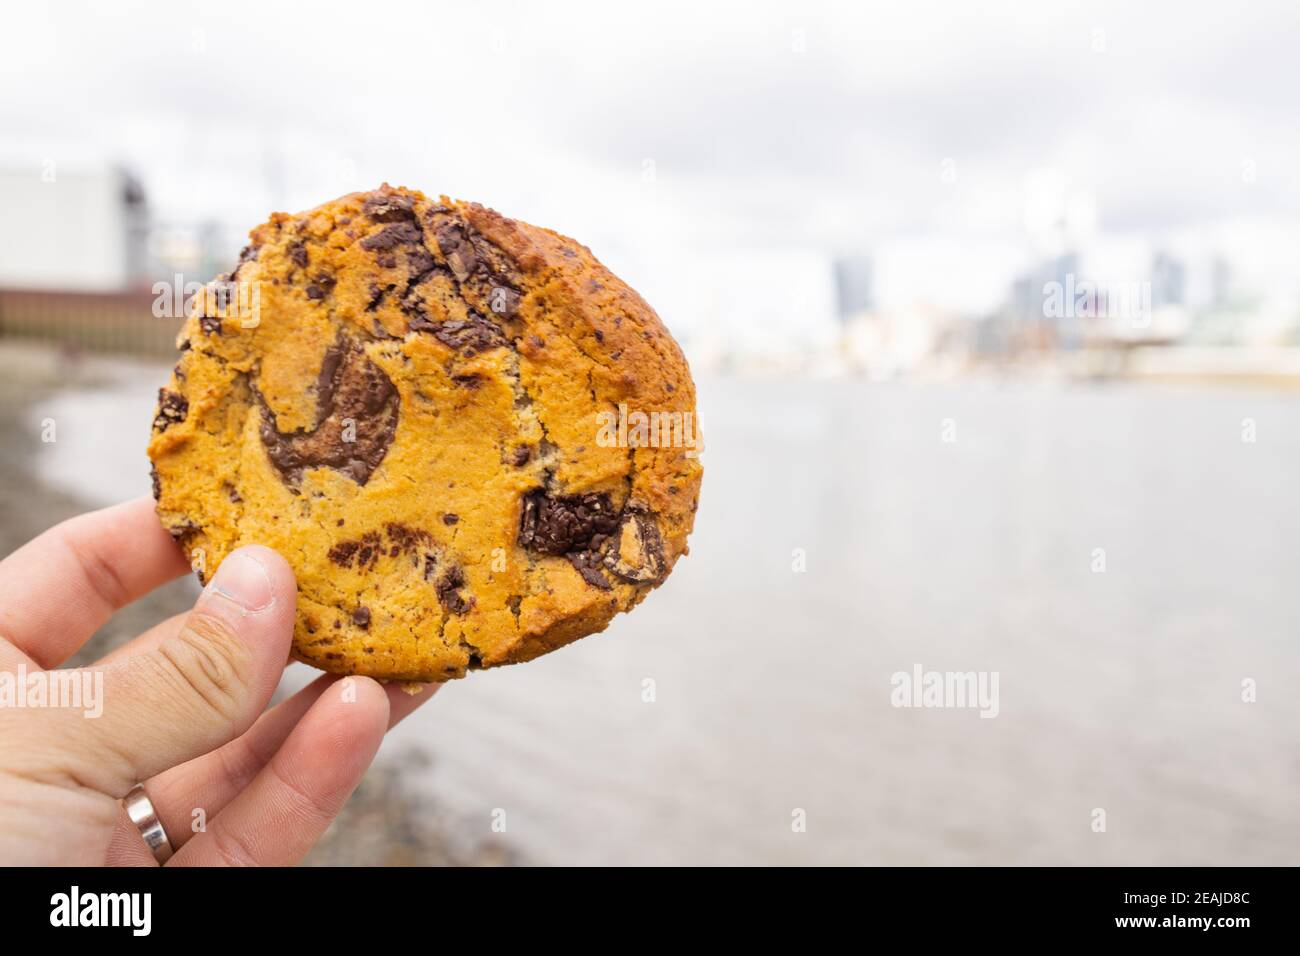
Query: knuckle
x,y
210,664
311,807
99,573
239,763
230,848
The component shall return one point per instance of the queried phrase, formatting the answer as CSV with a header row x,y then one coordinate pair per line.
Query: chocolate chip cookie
x,y
472,442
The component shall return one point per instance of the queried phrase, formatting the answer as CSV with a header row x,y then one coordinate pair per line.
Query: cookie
x,y
472,442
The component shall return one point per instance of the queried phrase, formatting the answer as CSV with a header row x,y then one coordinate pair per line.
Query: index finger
x,y
56,590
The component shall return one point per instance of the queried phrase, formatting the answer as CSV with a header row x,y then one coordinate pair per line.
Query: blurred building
x,y
1027,322
1220,283
197,251
79,272
83,230
852,286
921,341
1168,281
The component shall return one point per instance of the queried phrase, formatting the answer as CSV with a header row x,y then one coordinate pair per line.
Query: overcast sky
x,y
947,140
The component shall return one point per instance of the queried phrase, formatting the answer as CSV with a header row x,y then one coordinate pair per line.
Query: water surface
x,y
1119,690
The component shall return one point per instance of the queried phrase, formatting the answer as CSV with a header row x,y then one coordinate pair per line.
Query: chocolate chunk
x,y
210,324
450,518
493,262
247,254
559,524
155,481
377,293
412,303
297,253
448,590
467,336
467,381
326,381
361,617
389,208
420,262
491,276
363,552
321,286
181,533
393,236
356,400
589,566
521,456
637,553
456,249
172,408
343,552
406,539
452,579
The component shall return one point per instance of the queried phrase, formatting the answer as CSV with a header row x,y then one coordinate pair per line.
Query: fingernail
x,y
242,580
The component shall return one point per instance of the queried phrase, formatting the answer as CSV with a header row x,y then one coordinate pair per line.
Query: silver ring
x,y
140,809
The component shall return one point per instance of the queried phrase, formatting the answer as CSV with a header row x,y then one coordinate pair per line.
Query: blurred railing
x,y
111,322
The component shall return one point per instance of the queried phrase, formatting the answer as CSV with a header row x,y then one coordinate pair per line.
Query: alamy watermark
x,y
633,428
1077,298
974,690
133,911
57,689
223,298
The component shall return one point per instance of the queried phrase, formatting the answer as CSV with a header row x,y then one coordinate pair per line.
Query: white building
x,y
71,229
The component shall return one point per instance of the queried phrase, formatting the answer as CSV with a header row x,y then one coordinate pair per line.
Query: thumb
x,y
204,685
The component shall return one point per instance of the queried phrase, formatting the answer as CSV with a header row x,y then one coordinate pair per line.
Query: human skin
x,y
184,708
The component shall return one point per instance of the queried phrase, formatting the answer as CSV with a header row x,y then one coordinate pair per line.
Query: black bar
x,y
1164,905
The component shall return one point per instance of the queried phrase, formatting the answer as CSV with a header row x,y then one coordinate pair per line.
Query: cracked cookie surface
x,y
412,401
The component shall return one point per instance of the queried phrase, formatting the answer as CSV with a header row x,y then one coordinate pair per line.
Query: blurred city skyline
x,y
725,160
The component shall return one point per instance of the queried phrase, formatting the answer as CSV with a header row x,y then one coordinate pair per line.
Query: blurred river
x,y
1119,689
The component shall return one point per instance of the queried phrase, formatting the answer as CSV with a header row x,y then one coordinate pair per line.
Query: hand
x,y
178,707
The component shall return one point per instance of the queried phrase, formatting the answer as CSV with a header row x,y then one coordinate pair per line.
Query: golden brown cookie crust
x,y
432,412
